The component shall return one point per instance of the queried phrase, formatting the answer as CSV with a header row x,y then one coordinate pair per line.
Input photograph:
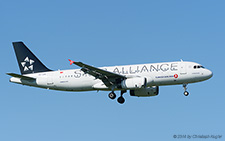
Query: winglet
x,y
71,62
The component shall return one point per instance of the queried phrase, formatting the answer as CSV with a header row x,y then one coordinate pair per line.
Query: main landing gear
x,y
186,93
112,95
120,99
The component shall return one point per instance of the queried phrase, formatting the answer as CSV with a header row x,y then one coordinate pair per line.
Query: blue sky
x,y
105,33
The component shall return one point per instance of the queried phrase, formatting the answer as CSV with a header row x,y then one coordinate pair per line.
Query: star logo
x,y
27,64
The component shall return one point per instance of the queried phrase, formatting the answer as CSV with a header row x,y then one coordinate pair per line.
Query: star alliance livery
x,y
142,80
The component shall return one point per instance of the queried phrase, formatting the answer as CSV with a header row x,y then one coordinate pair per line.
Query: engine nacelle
x,y
133,83
145,92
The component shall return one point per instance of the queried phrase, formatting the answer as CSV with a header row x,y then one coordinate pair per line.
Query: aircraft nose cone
x,y
209,74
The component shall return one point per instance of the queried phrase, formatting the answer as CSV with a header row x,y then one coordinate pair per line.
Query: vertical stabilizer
x,y
27,61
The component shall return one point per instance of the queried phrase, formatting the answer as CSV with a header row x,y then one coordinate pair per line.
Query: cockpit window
x,y
198,67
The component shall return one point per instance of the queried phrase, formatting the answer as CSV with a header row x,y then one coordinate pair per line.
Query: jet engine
x,y
134,83
145,92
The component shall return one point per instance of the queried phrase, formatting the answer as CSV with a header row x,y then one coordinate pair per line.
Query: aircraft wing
x,y
108,78
21,76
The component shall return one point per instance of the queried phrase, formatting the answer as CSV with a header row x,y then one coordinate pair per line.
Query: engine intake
x,y
145,92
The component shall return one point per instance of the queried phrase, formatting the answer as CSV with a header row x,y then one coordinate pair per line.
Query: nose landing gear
x,y
186,93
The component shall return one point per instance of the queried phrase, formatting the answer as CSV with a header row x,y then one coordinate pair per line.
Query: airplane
x,y
141,80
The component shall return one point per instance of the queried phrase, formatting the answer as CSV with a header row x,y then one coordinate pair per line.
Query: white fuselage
x,y
157,74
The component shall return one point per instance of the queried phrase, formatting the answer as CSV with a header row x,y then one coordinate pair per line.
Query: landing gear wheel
x,y
121,100
112,95
186,93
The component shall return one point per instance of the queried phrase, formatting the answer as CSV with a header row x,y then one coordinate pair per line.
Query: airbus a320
x,y
141,80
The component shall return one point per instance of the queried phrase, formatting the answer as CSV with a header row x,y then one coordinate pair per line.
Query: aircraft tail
x,y
27,61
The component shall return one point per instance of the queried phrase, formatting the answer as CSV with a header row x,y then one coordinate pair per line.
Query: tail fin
x,y
27,61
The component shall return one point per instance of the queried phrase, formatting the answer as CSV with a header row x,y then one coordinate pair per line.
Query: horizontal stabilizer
x,y
21,76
